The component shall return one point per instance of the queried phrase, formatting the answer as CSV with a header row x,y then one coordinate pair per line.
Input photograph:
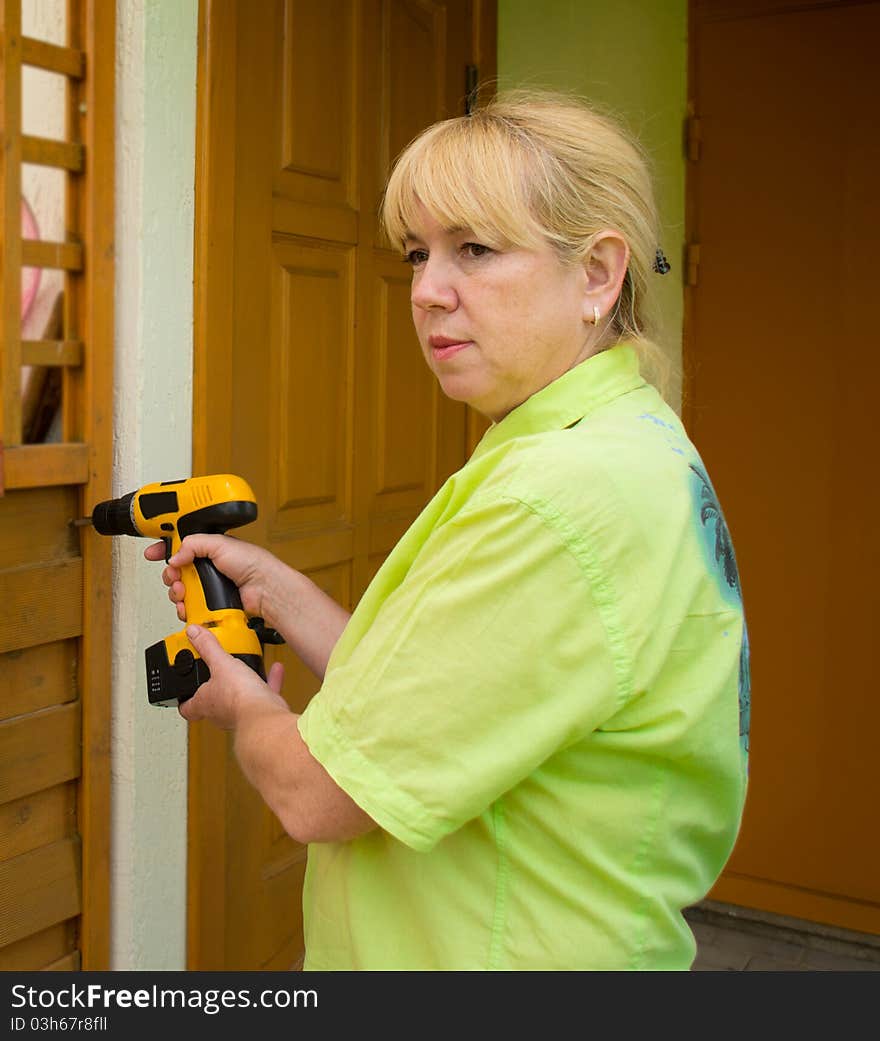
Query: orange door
x,y
309,378
782,365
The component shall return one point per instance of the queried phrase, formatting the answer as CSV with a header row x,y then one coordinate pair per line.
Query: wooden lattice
x,y
83,336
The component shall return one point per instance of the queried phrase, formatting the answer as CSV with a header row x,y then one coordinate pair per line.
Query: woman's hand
x,y
232,688
310,621
253,569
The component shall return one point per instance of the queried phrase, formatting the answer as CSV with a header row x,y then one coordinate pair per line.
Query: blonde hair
x,y
532,168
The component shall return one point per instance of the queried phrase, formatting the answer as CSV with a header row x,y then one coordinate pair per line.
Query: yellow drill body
x,y
171,510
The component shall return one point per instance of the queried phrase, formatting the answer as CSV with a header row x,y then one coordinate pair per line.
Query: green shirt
x,y
542,701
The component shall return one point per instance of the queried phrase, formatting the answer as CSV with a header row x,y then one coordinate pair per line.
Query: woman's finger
x,y
170,575
275,679
175,595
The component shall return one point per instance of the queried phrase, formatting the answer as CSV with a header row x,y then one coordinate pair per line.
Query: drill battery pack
x,y
170,683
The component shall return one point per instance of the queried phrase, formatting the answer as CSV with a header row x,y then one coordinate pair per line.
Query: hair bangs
x,y
465,176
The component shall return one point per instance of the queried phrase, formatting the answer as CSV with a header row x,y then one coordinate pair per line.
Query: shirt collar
x,y
566,400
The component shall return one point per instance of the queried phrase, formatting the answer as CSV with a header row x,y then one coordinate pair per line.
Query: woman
x,y
527,750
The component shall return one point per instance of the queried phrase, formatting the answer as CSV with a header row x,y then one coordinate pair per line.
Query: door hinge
x,y
692,263
693,136
471,88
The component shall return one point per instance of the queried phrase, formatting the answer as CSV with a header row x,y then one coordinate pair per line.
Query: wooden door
x,y
309,379
782,365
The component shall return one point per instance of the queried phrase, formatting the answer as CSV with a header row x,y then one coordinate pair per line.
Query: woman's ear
x,y
605,268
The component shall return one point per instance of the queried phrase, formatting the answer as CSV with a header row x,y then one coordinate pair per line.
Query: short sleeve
x,y
491,654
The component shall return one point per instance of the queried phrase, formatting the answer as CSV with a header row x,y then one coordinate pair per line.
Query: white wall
x,y
629,57
155,143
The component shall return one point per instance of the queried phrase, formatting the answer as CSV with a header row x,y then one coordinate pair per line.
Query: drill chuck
x,y
114,517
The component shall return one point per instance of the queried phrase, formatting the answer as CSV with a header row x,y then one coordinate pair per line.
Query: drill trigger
x,y
265,634
167,542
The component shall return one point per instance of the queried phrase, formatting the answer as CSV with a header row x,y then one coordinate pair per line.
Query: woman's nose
x,y
433,286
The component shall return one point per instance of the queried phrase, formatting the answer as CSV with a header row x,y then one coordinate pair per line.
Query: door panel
x,y
781,371
314,388
319,70
311,361
413,71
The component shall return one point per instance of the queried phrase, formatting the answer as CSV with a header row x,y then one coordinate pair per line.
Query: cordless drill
x,y
171,510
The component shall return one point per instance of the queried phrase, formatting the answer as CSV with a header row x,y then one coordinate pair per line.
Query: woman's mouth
x,y
443,347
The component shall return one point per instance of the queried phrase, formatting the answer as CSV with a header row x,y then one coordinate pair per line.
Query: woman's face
x,y
495,326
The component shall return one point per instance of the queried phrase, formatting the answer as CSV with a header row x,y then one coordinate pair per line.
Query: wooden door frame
x,y
216,157
92,106
212,434
690,230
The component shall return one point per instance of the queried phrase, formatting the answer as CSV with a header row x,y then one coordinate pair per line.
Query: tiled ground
x,y
736,939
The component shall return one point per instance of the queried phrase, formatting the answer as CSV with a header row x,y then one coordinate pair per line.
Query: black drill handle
x,y
220,591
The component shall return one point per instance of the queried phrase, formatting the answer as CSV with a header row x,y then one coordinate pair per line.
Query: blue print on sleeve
x,y
718,548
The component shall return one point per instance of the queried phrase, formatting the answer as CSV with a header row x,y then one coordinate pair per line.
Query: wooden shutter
x,y
54,578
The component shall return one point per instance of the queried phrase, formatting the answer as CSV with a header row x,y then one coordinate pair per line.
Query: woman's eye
x,y
475,249
415,257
